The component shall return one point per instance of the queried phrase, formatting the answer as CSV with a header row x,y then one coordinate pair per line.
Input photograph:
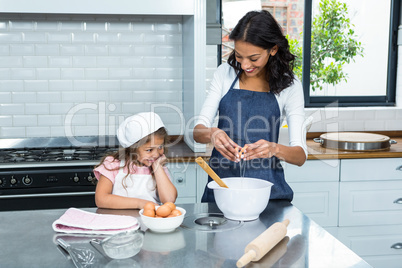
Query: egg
x,y
175,213
149,212
171,205
149,205
163,211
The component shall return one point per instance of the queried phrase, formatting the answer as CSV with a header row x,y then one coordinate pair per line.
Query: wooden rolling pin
x,y
210,172
260,246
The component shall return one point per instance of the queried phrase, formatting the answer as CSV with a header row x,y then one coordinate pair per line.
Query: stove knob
x,y
27,180
76,178
13,180
90,178
1,181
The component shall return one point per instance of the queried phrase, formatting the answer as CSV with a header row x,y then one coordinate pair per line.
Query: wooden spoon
x,y
210,172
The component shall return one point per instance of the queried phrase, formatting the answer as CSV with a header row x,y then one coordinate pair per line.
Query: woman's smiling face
x,y
252,59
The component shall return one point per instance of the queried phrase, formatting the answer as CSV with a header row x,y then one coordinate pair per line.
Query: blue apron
x,y
248,116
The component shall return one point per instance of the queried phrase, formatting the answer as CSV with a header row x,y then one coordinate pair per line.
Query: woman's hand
x,y
261,149
225,145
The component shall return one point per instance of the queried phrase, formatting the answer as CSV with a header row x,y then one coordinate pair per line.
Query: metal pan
x,y
355,141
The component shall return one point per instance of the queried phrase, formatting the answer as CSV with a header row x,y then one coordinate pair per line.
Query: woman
x,y
252,93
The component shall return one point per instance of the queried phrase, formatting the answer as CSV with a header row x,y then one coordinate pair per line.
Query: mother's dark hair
x,y
260,28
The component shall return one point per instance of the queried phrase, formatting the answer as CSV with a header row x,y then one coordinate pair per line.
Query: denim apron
x,y
248,116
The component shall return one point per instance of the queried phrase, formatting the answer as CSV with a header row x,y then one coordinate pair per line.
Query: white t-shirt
x,y
290,101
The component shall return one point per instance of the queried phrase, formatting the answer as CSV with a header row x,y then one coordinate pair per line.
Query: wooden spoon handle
x,y
210,172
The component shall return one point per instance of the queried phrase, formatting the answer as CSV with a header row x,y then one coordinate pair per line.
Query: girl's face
x,y
150,151
252,59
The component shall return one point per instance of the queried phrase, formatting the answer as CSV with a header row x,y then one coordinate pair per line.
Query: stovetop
x,y
62,149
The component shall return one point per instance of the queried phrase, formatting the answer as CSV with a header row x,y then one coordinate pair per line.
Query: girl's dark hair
x,y
130,154
260,28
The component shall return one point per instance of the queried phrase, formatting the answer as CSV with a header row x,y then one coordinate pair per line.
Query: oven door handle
x,y
45,195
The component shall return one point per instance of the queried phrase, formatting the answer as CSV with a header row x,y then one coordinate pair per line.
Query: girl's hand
x,y
225,145
160,162
261,149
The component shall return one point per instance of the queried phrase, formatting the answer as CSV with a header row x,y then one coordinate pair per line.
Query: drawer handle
x,y
181,180
397,246
399,168
319,140
398,201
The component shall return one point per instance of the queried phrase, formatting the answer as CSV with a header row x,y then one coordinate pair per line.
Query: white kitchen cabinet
x,y
316,189
184,176
374,169
370,203
378,245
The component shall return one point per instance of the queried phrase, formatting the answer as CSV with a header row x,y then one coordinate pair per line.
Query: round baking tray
x,y
355,141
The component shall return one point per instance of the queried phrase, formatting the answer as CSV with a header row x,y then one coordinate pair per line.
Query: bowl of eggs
x,y
244,199
162,219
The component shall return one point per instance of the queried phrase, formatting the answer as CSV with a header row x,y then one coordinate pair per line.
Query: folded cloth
x,y
83,222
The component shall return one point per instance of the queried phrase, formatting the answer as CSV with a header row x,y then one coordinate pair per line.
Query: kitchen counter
x,y
28,240
181,153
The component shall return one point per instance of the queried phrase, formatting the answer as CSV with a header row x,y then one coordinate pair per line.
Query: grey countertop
x,y
28,240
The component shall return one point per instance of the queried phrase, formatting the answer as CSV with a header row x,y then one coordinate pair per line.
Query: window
x,y
350,55
370,78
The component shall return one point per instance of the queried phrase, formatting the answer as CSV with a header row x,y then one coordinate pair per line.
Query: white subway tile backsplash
x,y
25,120
83,74
38,131
72,50
23,73
4,50
48,97
37,108
11,85
386,114
120,50
393,124
50,120
60,61
119,26
96,50
72,73
60,85
24,97
34,61
84,61
11,61
48,73
12,108
120,73
48,50
110,38
84,38
59,37
364,114
73,96
6,120
108,85
21,25
85,85
10,38
96,73
36,85
5,97
15,132
370,125
34,37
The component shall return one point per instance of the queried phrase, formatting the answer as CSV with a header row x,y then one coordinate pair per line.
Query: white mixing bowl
x,y
245,198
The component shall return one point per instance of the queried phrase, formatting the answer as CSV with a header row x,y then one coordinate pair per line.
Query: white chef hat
x,y
138,126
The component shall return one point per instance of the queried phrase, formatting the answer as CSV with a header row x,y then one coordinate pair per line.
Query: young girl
x,y
135,175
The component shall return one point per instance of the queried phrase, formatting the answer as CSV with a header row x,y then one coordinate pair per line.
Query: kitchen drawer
x,y
374,169
318,200
374,243
184,178
370,203
312,170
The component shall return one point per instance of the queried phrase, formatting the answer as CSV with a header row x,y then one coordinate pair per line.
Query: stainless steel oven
x,y
42,173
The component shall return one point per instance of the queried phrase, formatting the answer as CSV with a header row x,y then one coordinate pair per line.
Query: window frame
x,y
352,101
